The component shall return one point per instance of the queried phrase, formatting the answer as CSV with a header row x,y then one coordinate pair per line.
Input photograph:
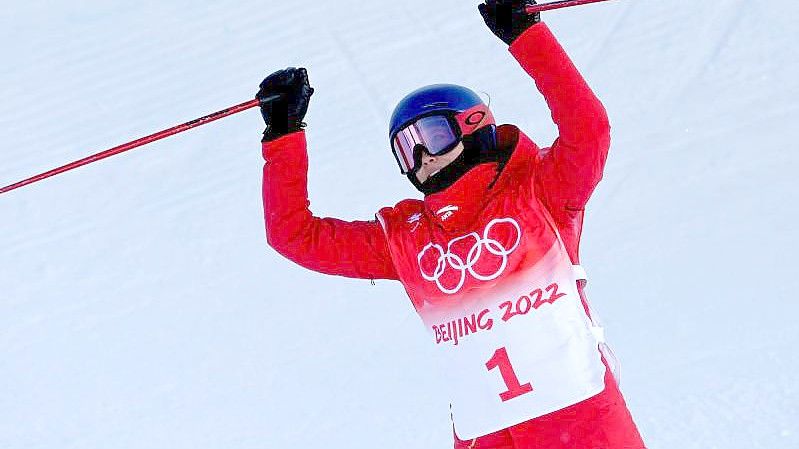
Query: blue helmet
x,y
436,118
429,100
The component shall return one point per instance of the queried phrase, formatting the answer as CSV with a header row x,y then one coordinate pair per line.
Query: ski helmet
x,y
435,119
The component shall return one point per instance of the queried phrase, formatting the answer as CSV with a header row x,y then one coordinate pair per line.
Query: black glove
x,y
284,114
508,18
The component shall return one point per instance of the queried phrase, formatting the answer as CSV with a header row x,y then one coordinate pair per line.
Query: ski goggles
x,y
436,134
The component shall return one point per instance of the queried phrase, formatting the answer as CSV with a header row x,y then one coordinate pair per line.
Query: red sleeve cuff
x,y
533,40
282,145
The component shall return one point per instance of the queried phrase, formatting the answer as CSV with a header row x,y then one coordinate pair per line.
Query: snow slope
x,y
141,308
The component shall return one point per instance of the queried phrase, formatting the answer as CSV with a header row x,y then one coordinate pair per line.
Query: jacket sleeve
x,y
356,249
568,172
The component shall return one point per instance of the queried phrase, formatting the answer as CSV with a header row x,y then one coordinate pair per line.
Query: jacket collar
x,y
459,205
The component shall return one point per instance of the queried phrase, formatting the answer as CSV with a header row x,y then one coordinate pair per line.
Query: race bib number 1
x,y
500,360
526,353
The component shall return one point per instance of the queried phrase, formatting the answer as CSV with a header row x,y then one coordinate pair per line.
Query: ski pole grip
x,y
270,98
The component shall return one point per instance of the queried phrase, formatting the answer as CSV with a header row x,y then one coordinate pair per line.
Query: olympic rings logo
x,y
448,259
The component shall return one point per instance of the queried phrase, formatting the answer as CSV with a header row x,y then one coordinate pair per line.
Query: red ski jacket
x,y
530,204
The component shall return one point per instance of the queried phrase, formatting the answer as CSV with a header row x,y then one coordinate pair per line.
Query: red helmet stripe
x,y
474,118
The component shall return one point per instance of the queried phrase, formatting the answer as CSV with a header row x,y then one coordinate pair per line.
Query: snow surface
x,y
141,308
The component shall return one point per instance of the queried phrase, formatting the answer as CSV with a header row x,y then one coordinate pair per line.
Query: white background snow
x,y
140,306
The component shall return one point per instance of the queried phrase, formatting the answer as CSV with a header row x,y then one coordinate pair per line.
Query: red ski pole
x,y
558,4
138,142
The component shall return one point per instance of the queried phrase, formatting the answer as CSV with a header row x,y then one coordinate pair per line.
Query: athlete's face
x,y
433,164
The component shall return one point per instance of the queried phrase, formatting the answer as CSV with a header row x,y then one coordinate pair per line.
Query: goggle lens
x,y
435,133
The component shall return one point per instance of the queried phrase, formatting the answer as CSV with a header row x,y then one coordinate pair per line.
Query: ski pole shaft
x,y
139,142
558,4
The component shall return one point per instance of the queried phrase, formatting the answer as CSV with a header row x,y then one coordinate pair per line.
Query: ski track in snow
x,y
141,308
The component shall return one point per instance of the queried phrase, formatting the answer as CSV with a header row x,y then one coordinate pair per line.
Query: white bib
x,y
524,349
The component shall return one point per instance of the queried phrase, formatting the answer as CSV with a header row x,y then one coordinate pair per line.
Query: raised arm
x,y
569,171
353,249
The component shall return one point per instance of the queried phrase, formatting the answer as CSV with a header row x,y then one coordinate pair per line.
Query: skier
x,y
489,257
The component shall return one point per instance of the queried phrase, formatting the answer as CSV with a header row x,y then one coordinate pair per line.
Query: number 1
x,y
500,360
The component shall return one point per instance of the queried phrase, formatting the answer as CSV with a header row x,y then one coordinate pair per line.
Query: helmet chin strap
x,y
478,148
